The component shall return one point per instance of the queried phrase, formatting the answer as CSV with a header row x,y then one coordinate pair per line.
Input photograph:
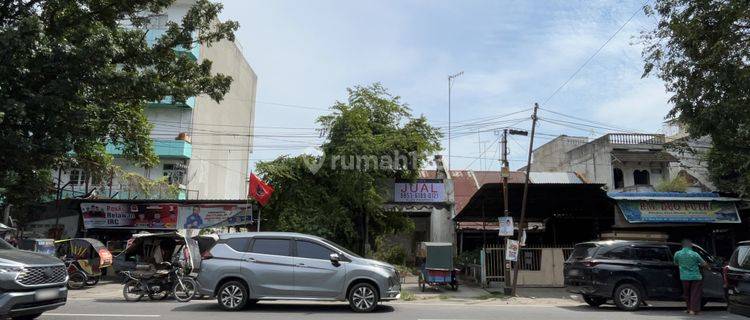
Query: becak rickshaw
x,y
437,269
84,258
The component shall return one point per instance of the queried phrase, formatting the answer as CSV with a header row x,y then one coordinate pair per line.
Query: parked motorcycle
x,y
159,285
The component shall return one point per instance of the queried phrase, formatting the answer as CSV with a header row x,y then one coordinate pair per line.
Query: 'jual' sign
x,y
419,191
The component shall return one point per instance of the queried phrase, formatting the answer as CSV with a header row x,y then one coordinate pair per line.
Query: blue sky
x,y
513,53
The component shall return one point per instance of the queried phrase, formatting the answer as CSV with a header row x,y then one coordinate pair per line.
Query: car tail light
x,y
206,255
725,276
590,263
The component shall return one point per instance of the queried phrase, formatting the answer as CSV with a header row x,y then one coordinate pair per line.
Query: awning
x,y
649,156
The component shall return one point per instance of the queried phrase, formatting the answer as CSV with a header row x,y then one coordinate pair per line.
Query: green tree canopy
x,y
339,194
701,49
76,74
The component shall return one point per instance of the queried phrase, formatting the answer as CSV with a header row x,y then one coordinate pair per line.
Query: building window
x,y
641,177
77,177
618,178
174,172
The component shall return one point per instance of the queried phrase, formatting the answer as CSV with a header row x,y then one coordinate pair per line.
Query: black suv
x,y
738,280
631,272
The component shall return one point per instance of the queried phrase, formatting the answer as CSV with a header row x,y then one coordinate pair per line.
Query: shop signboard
x,y
657,211
157,216
199,216
420,191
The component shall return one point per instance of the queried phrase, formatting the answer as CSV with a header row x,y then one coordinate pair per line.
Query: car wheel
x,y
27,317
594,301
76,281
363,297
232,296
628,297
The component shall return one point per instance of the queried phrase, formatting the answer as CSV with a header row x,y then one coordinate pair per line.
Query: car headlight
x,y
10,269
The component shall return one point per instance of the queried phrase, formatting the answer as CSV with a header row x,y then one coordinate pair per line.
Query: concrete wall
x,y
552,156
442,227
550,273
222,132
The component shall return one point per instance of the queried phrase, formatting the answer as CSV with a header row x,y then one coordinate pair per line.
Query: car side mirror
x,y
335,258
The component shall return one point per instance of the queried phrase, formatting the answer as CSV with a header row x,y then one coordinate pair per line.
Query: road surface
x,y
437,310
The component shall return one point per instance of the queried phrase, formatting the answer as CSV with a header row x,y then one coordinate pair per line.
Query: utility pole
x,y
522,223
451,78
505,174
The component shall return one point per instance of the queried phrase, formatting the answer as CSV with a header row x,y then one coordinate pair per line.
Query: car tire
x,y
363,297
628,297
27,317
232,296
594,301
76,281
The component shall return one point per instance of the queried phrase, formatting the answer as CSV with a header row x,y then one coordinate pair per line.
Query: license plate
x,y
574,272
47,294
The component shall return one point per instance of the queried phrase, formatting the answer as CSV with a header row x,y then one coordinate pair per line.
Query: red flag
x,y
259,190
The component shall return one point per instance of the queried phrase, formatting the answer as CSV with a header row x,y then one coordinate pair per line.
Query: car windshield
x,y
5,246
337,246
582,251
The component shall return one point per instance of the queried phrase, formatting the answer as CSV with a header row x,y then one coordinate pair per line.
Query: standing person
x,y
690,263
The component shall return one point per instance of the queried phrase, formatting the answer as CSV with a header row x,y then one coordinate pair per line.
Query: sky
x,y
513,54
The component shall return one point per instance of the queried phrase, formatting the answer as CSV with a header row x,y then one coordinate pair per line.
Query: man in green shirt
x,y
690,264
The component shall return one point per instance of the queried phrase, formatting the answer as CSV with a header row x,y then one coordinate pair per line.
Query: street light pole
x,y
451,78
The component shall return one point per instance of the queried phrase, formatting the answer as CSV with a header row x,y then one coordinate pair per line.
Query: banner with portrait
x,y
200,216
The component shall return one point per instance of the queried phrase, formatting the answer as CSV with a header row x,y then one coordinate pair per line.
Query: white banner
x,y
199,216
511,250
506,226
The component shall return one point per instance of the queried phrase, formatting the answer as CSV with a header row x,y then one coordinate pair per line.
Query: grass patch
x,y
492,295
408,296
443,297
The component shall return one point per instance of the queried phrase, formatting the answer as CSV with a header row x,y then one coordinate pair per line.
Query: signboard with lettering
x,y
159,216
164,216
642,211
419,191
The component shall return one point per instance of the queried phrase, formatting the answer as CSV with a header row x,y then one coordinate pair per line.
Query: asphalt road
x,y
208,309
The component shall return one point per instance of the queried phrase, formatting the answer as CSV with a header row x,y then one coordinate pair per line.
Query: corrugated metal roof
x,y
554,178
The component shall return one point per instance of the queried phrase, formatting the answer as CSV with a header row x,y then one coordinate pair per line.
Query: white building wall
x,y
222,132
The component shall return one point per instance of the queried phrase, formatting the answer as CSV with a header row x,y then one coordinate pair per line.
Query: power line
x,y
595,53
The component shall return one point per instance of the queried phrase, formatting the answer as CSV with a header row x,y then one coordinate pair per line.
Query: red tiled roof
x,y
467,182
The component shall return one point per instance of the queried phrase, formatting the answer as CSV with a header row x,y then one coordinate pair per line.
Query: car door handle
x,y
301,265
250,259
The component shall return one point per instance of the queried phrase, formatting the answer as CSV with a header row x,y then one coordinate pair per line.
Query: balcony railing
x,y
176,149
193,51
634,138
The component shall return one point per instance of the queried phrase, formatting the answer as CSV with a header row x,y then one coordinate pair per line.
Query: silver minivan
x,y
243,268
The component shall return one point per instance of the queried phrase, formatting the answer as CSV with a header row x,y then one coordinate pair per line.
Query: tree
x,y
701,49
372,138
76,75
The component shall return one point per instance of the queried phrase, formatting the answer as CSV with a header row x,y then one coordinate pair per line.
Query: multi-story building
x,y
621,161
203,146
